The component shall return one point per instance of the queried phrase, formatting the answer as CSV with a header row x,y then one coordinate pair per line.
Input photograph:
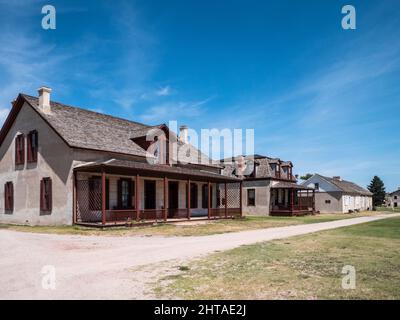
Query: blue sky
x,y
325,98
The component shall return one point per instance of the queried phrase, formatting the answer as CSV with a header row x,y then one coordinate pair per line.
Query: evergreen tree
x,y
377,187
306,176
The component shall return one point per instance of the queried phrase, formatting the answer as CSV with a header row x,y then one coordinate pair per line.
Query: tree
x,y
377,187
306,176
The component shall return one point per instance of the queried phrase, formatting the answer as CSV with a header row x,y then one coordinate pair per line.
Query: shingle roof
x,y
263,163
91,130
86,129
144,166
289,185
347,186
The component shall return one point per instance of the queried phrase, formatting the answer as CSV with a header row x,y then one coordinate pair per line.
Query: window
x,y
45,195
8,197
95,199
204,197
193,195
19,149
125,189
327,201
395,197
32,146
251,197
316,186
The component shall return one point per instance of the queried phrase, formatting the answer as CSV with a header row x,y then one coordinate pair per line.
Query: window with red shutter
x,y
32,146
19,149
8,197
45,195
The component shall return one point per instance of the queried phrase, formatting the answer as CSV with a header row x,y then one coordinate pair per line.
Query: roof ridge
x,y
89,111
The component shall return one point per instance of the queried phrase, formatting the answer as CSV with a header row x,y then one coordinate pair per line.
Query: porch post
x,y
240,199
299,197
313,201
188,199
103,195
165,199
291,200
74,201
208,200
226,200
137,195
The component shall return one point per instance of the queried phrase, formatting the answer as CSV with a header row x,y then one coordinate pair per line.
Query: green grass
x,y
385,209
194,228
303,267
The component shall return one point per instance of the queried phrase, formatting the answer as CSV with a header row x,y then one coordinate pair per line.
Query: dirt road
x,y
95,267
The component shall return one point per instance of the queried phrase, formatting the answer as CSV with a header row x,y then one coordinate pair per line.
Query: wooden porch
x,y
151,193
290,199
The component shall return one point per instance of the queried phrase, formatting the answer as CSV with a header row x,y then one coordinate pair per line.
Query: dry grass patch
x,y
304,267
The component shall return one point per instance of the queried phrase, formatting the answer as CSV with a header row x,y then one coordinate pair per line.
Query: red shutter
x,y
36,140
29,147
11,194
16,150
6,196
49,195
42,208
22,149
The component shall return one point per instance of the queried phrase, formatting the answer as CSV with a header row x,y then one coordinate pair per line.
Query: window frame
x,y
9,196
251,201
131,187
20,149
194,196
32,152
46,195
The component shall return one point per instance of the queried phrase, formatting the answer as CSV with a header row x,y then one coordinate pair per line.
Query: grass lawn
x,y
394,210
303,267
193,228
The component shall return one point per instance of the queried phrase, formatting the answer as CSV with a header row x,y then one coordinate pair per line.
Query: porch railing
x,y
88,206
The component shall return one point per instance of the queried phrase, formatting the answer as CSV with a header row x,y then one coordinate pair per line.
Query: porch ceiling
x,y
126,167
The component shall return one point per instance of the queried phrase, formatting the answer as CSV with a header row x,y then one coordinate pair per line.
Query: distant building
x,y
337,195
394,199
269,186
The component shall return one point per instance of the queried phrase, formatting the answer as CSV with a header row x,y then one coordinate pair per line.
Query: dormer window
x,y
32,146
19,150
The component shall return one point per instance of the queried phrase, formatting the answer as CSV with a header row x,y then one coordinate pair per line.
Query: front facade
x,y
394,199
269,186
61,165
334,195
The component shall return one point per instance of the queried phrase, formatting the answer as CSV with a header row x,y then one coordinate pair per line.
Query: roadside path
x,y
96,267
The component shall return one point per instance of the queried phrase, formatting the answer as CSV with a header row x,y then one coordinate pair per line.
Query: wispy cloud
x,y
174,110
164,91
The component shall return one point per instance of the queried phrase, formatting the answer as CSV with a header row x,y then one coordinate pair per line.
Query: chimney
x,y
44,99
183,133
337,178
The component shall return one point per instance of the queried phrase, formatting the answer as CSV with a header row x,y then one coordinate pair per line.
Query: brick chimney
x,y
44,99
